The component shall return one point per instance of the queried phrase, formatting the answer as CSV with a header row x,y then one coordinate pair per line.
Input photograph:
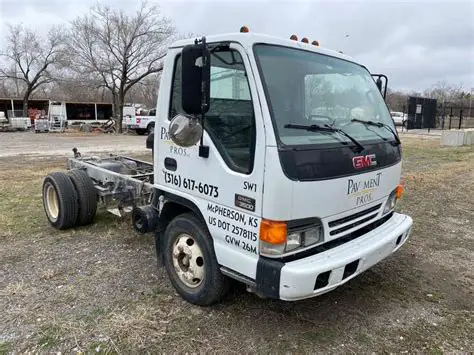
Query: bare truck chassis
x,y
122,183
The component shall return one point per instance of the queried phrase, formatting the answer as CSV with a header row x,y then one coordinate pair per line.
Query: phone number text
x,y
191,184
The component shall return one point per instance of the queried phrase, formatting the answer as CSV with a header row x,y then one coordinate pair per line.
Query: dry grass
x,y
97,289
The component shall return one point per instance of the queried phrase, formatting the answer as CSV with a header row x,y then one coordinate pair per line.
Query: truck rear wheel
x,y
191,262
60,200
87,196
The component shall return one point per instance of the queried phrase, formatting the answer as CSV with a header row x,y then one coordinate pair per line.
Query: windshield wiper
x,y
380,125
325,128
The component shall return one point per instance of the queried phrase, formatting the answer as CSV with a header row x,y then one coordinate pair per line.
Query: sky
x,y
416,43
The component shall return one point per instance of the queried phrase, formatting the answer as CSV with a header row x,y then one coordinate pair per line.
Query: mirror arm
x,y
203,149
379,82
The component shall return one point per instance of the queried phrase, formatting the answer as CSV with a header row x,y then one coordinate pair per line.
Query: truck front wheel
x,y
191,262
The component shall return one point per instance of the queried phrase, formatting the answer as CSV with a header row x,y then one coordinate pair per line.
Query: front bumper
x,y
323,272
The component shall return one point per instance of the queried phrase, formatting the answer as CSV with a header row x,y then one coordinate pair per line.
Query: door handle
x,y
171,164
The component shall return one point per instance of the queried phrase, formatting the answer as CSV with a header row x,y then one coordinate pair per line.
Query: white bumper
x,y
298,278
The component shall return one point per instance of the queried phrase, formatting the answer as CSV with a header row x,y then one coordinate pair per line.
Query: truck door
x,y
226,186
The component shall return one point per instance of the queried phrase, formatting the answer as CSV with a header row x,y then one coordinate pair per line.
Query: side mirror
x,y
379,84
185,131
195,78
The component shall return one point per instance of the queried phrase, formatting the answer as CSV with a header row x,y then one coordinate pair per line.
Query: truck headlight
x,y
276,239
390,204
293,241
392,199
313,235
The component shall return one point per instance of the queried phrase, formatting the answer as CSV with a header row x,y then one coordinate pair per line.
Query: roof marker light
x,y
304,40
244,29
294,37
315,43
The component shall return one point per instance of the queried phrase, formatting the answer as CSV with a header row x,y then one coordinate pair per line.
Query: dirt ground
x,y
98,288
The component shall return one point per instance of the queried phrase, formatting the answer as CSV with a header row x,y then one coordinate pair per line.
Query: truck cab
x,y
277,164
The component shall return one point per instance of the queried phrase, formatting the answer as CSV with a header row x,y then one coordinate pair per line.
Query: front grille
x,y
352,225
346,219
341,225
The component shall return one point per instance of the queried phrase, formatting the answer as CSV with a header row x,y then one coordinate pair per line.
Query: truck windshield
x,y
307,88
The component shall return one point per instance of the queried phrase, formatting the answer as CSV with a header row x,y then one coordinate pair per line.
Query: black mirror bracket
x,y
379,84
203,149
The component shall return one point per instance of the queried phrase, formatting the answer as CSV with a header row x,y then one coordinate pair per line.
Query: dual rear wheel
x,y
69,199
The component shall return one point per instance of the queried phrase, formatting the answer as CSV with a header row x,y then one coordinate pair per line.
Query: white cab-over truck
x,y
275,163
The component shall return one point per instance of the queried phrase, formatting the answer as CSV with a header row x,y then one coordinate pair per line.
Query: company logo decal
x,y
364,161
173,149
362,189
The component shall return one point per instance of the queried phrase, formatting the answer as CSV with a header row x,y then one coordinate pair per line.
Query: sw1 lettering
x,y
250,186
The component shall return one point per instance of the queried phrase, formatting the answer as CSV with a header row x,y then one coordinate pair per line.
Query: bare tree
x,y
146,91
397,100
445,93
31,58
119,49
5,88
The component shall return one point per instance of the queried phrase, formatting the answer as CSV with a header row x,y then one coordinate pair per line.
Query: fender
x,y
173,206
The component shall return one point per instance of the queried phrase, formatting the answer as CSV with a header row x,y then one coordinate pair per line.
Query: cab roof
x,y
247,40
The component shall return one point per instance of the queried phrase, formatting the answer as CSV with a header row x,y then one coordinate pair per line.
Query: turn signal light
x,y
273,232
399,191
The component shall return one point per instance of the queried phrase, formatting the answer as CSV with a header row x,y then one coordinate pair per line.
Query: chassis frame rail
x,y
121,182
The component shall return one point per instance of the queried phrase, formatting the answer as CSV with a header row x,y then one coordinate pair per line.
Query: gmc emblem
x,y
364,161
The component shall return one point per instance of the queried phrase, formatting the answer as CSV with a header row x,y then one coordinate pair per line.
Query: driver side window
x,y
230,121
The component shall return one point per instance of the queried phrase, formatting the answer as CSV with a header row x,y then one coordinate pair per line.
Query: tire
x,y
86,195
60,201
213,285
150,128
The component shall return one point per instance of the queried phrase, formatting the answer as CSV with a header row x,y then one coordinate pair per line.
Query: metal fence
x,y
454,117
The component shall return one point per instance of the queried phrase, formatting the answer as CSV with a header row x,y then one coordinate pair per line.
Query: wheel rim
x,y
188,261
52,204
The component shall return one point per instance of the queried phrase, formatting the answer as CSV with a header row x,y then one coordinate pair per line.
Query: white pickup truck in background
x,y
142,124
